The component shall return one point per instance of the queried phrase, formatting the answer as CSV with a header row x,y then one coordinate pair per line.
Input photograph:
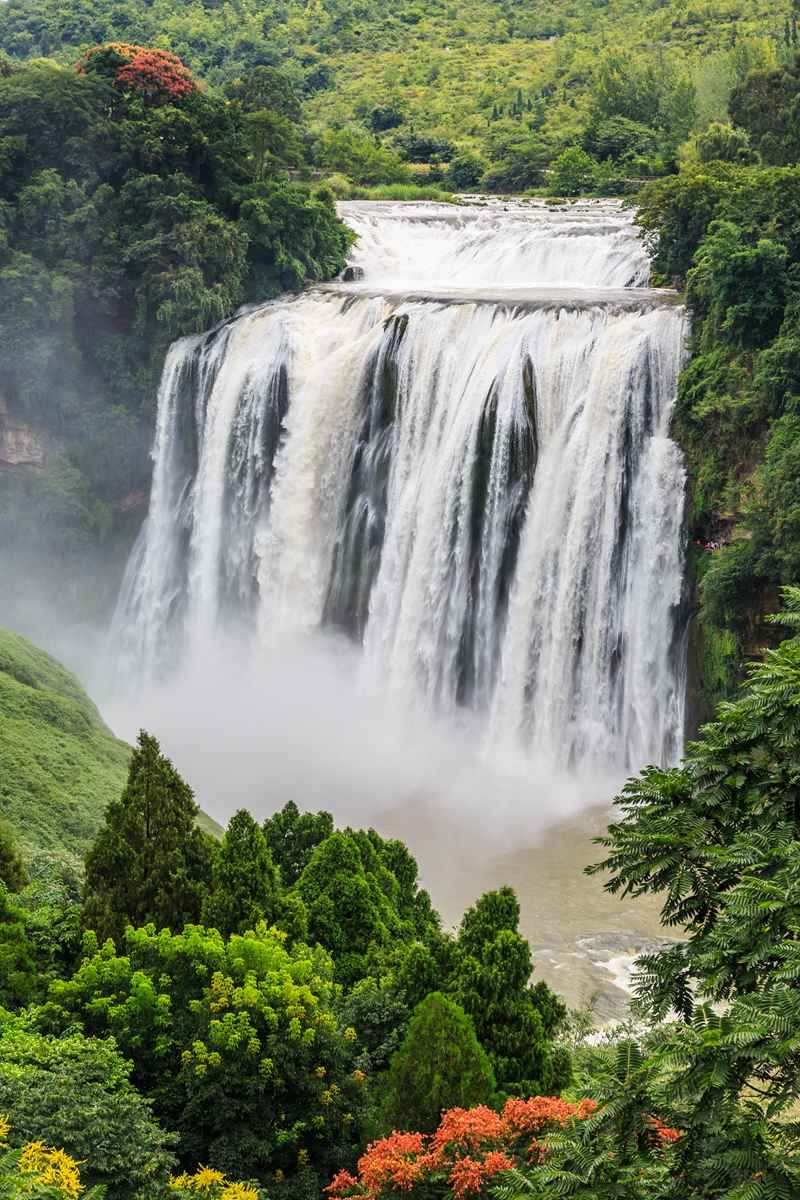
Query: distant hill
x,y
60,764
431,65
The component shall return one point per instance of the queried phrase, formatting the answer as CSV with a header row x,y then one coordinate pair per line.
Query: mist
x,y
252,727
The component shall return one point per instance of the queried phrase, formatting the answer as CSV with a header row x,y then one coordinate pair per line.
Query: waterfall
x,y
462,460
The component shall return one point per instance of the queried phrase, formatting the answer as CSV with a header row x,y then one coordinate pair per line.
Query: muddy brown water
x,y
583,939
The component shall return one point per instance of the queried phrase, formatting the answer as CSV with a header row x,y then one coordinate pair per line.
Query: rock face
x,y
24,445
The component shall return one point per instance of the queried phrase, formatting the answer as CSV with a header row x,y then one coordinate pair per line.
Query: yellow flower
x,y
5,1126
51,1168
239,1191
206,1177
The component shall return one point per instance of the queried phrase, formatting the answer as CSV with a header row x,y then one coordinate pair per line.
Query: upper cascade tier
x,y
422,246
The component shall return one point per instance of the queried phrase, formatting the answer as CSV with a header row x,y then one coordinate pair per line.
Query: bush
x,y
464,171
75,1092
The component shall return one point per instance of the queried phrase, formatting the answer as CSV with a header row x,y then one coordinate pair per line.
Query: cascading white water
x,y
463,460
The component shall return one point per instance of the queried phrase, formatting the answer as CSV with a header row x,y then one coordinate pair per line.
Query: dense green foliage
x,y
150,861
730,229
292,838
130,216
59,764
75,1092
719,839
262,1036
361,892
484,75
235,1041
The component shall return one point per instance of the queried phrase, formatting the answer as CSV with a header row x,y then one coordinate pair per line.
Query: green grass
x,y
401,191
60,764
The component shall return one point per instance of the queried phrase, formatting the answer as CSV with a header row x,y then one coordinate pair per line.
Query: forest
x,y
281,1013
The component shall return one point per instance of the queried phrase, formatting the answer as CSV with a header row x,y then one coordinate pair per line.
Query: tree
x,y
762,105
491,969
265,88
679,210
719,836
235,1042
18,980
150,862
244,880
294,237
273,142
362,159
571,172
156,76
473,1152
75,1092
619,137
293,837
440,1065
742,288
465,170
347,910
13,873
722,143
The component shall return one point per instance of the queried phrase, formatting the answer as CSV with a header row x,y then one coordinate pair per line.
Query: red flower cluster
x,y
157,76
468,1149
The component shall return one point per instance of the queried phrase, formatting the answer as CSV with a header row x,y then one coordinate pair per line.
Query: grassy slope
x,y
59,764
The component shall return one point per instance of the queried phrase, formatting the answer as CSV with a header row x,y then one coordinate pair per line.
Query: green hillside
x,y
431,65
60,764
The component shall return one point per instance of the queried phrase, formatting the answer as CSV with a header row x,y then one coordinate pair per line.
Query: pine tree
x,y
150,862
440,1065
245,883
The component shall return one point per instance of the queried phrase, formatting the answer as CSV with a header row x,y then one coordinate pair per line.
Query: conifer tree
x,y
491,972
245,883
440,1065
150,862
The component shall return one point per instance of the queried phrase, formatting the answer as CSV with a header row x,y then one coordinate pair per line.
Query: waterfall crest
x,y
462,460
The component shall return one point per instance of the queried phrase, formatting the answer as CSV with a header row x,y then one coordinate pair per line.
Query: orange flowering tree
x,y
466,1155
155,76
